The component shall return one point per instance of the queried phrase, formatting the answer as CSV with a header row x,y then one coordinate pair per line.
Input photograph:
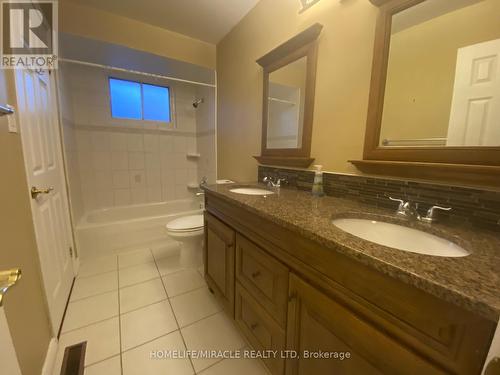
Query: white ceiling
x,y
207,20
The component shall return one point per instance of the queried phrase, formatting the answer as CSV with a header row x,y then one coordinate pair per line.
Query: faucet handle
x,y
282,180
429,218
431,210
400,201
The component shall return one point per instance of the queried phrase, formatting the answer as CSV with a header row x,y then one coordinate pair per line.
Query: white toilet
x,y
188,230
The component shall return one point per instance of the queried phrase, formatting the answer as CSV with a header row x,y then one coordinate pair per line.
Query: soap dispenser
x,y
317,189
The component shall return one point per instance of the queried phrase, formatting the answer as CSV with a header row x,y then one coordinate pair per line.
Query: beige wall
x,y
107,27
421,71
342,87
25,304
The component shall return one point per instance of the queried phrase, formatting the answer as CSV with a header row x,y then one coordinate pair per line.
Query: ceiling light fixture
x,y
306,4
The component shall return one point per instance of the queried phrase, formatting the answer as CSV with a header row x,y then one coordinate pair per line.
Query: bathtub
x,y
111,230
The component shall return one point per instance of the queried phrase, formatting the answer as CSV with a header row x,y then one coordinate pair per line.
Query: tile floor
x,y
140,301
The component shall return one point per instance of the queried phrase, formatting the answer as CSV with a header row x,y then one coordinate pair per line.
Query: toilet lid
x,y
186,223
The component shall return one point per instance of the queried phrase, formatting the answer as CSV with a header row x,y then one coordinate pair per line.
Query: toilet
x,y
188,230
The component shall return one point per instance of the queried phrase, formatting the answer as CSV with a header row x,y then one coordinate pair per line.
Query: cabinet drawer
x,y
264,277
261,330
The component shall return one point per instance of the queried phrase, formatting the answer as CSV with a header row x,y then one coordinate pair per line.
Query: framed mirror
x,y
289,75
435,91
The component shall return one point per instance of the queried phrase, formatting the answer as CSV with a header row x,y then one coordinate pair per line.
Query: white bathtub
x,y
113,229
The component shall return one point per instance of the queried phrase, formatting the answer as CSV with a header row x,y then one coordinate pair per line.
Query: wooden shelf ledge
x,y
464,174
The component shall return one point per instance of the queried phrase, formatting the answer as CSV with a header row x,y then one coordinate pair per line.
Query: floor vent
x,y
74,359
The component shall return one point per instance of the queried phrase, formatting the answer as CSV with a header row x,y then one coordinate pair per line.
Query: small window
x,y
139,101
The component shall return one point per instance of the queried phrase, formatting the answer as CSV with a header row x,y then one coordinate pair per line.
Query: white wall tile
x,y
154,194
103,180
101,160
180,144
166,143
100,141
121,179
119,160
153,177
151,143
138,196
135,142
122,197
119,141
136,160
137,179
104,199
153,160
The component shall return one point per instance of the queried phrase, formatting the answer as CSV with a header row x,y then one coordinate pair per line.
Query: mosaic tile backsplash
x,y
470,205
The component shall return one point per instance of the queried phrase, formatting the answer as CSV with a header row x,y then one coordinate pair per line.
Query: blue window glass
x,y
156,103
139,101
125,99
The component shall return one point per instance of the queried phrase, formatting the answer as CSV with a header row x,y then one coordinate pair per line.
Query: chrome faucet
x,y
429,218
204,181
406,209
410,210
275,184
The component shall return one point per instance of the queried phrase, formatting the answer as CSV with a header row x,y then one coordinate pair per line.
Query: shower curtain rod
x,y
135,72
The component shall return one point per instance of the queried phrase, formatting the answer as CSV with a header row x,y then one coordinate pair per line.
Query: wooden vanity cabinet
x,y
219,261
319,323
286,292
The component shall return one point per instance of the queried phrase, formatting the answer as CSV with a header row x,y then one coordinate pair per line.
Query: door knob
x,y
8,279
35,192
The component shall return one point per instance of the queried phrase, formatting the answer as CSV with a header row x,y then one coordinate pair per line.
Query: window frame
x,y
141,83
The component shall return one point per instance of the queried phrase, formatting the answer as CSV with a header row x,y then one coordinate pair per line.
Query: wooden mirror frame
x,y
476,165
301,45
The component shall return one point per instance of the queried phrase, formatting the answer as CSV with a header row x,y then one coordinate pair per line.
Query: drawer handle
x,y
253,326
255,274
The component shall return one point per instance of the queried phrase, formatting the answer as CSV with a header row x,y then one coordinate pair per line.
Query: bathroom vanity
x,y
292,280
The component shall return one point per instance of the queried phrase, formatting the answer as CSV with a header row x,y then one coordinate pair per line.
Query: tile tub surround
x,y
478,207
470,282
117,162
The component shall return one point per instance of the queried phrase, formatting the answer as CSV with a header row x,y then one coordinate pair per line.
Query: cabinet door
x,y
319,323
219,261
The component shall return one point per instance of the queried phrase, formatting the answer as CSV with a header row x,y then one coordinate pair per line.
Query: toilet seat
x,y
191,223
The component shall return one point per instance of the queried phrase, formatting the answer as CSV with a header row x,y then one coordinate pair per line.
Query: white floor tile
x,y
216,332
193,306
95,266
103,341
138,361
243,366
166,250
137,274
110,366
134,258
170,264
93,285
182,282
90,310
139,295
148,323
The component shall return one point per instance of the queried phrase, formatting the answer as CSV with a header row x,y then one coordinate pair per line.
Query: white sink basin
x,y
400,237
251,191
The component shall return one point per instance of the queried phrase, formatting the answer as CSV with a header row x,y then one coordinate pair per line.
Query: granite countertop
x,y
472,282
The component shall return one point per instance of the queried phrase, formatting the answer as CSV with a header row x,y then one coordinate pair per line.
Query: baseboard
x,y
50,358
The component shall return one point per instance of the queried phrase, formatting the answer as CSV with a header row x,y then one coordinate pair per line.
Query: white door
x,y
40,136
475,110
